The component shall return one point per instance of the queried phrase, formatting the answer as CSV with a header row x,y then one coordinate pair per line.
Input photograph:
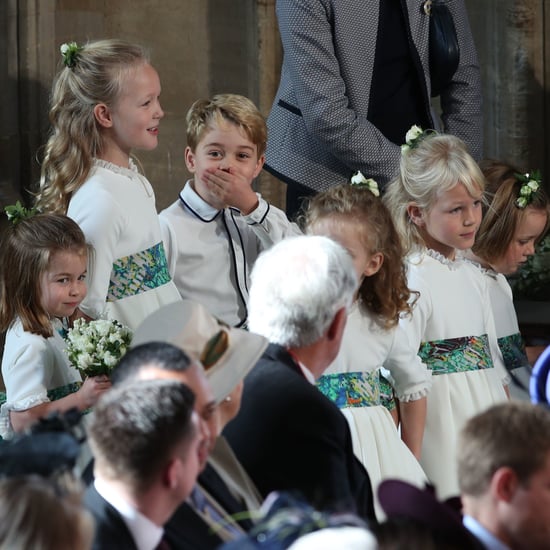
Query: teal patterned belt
x,y
463,354
351,389
55,394
387,397
513,351
138,273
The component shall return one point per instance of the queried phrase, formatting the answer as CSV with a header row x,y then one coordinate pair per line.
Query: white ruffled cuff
x,y
416,393
6,429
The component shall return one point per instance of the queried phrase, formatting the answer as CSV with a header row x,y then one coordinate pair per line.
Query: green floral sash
x,y
138,273
513,351
387,397
463,354
351,389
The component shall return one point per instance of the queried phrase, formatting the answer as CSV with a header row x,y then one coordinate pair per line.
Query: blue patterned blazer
x,y
318,128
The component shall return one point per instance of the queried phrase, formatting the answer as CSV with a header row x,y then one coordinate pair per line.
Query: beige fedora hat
x,y
226,353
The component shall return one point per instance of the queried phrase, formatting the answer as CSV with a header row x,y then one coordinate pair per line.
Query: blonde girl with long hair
x,y
104,104
435,201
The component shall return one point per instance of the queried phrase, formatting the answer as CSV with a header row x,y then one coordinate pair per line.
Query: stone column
x,y
512,49
270,54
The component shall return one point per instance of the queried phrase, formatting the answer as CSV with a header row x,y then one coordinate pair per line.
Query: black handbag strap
x,y
444,48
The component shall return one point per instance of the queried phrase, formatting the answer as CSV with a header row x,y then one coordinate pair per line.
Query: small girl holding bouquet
x,y
42,281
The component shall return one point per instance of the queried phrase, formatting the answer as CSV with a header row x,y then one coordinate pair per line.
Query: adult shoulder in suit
x,y
288,436
110,529
186,530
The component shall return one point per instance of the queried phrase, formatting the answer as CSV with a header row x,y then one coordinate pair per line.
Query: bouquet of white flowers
x,y
95,347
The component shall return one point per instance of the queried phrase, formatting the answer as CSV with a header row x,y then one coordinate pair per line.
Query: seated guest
x,y
228,353
290,522
417,520
145,439
40,497
37,512
504,476
288,435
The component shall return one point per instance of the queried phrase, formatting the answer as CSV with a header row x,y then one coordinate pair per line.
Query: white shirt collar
x,y
146,534
482,534
196,204
307,373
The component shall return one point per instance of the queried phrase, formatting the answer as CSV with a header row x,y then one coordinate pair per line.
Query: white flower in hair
x,y
530,185
360,180
414,136
413,133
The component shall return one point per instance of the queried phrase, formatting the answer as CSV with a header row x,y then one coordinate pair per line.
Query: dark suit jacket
x,y
289,436
185,530
110,530
189,530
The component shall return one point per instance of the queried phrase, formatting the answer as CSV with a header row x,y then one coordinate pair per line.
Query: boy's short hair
x,y
513,434
226,107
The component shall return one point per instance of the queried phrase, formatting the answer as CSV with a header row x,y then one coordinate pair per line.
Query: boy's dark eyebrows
x,y
216,144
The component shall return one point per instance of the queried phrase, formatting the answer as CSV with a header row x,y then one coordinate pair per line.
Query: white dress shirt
x,y
146,534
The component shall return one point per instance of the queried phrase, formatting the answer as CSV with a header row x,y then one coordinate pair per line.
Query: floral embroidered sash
x,y
457,354
513,351
351,389
138,273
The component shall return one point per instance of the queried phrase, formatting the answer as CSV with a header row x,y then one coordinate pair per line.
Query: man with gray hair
x,y
288,435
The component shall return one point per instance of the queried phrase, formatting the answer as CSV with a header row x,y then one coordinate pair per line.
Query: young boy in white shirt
x,y
219,225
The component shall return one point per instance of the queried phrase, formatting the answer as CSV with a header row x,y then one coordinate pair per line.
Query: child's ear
x,y
103,115
259,165
415,214
374,265
190,160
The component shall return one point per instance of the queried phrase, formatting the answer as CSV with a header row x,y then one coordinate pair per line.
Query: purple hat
x,y
400,499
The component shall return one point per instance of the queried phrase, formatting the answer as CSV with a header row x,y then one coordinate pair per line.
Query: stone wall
x,y
199,48
514,54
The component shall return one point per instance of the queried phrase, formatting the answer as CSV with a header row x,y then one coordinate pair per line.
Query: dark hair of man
x,y
513,434
160,355
135,428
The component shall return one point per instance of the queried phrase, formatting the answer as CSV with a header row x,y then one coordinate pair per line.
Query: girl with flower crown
x,y
435,201
515,218
42,281
354,216
104,104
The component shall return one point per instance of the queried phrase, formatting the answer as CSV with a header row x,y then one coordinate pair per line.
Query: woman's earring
x,y
228,399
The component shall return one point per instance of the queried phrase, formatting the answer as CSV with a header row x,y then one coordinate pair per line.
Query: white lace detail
x,y
130,172
451,264
415,396
6,429
490,272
